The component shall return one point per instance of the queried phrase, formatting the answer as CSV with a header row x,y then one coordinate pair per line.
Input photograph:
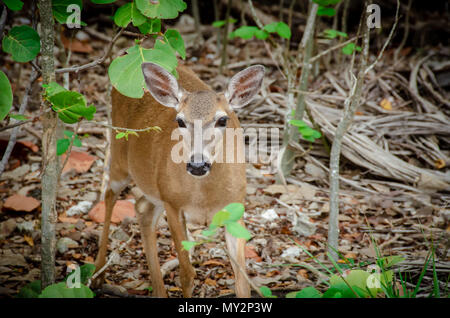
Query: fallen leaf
x,y
122,209
303,273
80,161
439,164
213,263
76,45
21,203
89,259
210,282
29,145
29,240
65,219
386,104
350,255
251,253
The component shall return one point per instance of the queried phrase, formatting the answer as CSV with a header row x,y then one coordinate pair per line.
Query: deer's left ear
x,y
244,85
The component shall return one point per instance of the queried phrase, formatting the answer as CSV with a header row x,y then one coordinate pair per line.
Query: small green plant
x,y
73,286
306,132
247,32
228,218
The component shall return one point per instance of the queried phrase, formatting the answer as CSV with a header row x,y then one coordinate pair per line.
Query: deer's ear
x,y
244,85
162,85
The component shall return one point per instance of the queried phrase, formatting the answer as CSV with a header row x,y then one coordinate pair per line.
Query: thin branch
x,y
335,47
19,123
93,63
3,22
13,137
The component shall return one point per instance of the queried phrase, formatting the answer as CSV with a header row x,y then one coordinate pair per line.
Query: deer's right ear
x,y
162,85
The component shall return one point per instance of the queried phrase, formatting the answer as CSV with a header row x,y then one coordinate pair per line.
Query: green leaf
x,y
22,42
326,2
306,131
59,8
350,48
53,88
327,12
129,13
283,30
71,106
103,1
18,117
176,42
162,9
221,23
308,292
390,261
266,292
86,272
60,290
120,135
331,34
298,123
14,5
187,245
62,145
261,34
245,32
6,96
125,72
30,290
219,219
150,26
271,27
236,211
238,231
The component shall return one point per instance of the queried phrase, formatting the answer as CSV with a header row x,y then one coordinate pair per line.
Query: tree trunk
x,y
351,104
50,164
287,155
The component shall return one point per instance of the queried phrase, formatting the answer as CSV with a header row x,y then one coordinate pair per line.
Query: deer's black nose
x,y
199,168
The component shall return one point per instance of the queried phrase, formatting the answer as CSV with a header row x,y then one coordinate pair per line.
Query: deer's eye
x,y
181,123
222,121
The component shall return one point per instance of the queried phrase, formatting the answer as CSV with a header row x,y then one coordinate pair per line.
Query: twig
x,y
13,137
244,274
225,38
2,22
93,63
337,46
19,123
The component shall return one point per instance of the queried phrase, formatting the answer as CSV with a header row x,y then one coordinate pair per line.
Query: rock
x,y
21,203
315,171
26,226
120,235
17,173
269,215
8,258
64,243
7,227
81,208
122,209
291,254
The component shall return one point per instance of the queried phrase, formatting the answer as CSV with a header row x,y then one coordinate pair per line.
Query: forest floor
x,y
404,218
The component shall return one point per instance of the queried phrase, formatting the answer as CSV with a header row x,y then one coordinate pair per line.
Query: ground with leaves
x,y
402,217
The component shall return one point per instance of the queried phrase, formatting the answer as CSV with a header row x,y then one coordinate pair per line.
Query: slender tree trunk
x,y
351,104
50,164
196,14
306,46
225,38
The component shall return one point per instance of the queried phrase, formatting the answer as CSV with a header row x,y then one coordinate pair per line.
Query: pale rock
x,y
269,215
26,226
64,243
82,207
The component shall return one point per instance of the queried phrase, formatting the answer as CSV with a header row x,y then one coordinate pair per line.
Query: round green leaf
x,y
327,12
103,1
60,290
30,290
308,292
23,43
245,32
6,96
129,13
236,211
163,9
187,245
71,106
125,72
283,30
14,5
59,8
176,42
62,145
261,34
238,231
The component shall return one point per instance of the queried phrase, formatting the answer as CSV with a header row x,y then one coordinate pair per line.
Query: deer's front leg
x,y
148,215
177,227
236,248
